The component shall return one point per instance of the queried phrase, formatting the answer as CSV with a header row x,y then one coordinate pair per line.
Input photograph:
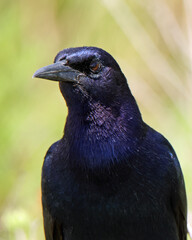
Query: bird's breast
x,y
104,198
94,202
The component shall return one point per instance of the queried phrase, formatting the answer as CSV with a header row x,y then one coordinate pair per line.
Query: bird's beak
x,y
57,72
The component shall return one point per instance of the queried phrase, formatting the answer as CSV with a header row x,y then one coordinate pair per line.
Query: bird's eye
x,y
64,60
95,67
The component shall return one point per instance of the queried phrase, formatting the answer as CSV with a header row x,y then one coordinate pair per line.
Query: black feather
x,y
111,176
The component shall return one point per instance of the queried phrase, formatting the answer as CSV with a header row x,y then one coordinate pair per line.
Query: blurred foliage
x,y
151,40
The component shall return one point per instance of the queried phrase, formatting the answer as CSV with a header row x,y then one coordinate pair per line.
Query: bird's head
x,y
86,74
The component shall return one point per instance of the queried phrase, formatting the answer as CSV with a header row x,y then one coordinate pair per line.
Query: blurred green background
x,y
151,40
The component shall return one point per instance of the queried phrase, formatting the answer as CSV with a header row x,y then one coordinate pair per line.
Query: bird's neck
x,y
103,134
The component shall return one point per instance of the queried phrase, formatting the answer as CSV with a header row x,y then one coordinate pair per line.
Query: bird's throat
x,y
101,136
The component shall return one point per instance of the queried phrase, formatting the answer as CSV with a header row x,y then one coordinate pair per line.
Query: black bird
x,y
111,176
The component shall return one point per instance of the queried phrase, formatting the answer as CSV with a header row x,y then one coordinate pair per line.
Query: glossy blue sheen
x,y
111,176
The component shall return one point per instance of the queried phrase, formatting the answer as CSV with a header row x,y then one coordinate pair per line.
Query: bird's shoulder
x,y
55,152
159,147
51,149
168,163
52,163
49,156
158,156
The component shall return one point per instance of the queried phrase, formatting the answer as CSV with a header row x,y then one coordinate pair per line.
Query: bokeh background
x,y
151,40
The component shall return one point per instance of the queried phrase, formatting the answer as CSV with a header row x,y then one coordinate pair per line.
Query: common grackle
x,y
111,176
